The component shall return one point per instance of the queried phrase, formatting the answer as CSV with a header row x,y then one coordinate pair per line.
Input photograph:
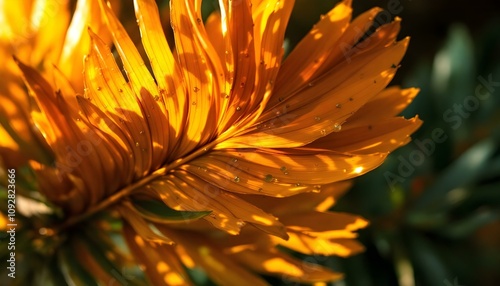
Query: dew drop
x,y
99,88
344,170
193,103
323,132
316,188
260,190
310,84
298,184
143,149
136,144
198,20
141,132
283,169
120,90
278,113
157,97
236,179
241,223
269,178
338,105
337,127
317,118
196,89
238,108
262,62
235,160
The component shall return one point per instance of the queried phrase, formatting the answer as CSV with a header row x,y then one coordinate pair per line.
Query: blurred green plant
x,y
434,205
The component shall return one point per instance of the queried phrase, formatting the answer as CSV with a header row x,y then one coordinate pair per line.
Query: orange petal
x,y
305,202
393,99
268,172
145,90
159,262
166,70
312,51
140,225
286,267
202,73
221,268
380,136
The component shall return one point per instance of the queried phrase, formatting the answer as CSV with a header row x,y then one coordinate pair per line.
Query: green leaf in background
x,y
159,212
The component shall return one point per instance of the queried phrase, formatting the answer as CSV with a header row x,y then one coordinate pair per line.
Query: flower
x,y
209,155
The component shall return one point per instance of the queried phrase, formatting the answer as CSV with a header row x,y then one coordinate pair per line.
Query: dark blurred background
x,y
434,206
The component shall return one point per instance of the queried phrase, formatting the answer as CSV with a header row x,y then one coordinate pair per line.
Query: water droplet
x,y
98,88
225,95
278,113
157,97
120,90
344,170
198,20
317,118
241,223
323,132
193,103
283,169
242,84
269,178
393,66
310,84
260,190
298,184
238,108
338,105
235,160
136,144
236,179
262,62
78,119
316,188
337,127
143,149
141,132
196,89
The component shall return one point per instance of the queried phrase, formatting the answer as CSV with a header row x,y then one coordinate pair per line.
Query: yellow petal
x,y
166,70
145,90
202,73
